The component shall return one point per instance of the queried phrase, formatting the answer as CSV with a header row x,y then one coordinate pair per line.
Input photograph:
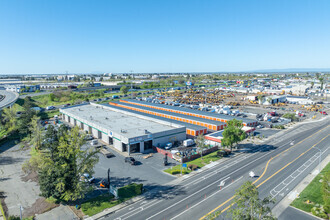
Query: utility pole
x,y
131,85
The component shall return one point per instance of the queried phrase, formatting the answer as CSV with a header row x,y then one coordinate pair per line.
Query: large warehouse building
x,y
128,132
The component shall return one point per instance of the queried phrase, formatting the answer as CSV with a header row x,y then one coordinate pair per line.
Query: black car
x,y
130,160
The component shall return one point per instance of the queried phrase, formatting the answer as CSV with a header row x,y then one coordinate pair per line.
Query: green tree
x,y
317,75
200,143
63,165
260,98
247,204
322,82
124,89
269,100
233,133
312,84
10,118
326,191
36,130
26,116
51,97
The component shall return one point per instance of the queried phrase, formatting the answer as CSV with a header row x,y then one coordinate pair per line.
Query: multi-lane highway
x,y
289,159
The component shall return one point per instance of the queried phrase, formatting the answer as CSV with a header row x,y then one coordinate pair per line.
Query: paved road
x,y
194,197
9,98
293,213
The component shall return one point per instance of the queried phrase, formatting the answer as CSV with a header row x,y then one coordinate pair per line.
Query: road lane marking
x,y
205,199
293,178
266,170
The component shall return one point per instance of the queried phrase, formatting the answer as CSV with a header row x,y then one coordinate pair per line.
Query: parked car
x,y
87,178
94,142
89,137
168,146
66,105
130,160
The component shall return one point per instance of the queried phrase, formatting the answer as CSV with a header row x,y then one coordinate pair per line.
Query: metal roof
x,y
208,121
211,114
187,125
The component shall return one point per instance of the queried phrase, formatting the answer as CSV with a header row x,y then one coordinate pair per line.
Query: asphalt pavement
x,y
286,164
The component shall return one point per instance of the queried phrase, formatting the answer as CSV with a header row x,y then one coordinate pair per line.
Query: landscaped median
x,y
98,204
315,198
199,163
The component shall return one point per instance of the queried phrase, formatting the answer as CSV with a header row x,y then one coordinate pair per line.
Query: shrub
x,y
192,166
130,190
319,211
174,172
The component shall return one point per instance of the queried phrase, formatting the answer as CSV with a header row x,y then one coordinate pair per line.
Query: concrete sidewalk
x,y
287,200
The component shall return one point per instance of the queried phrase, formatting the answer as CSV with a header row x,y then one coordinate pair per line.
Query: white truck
x,y
188,142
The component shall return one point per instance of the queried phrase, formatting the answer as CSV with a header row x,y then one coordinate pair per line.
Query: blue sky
x,y
79,36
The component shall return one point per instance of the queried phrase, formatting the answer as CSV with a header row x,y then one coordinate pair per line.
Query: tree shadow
x,y
253,148
6,160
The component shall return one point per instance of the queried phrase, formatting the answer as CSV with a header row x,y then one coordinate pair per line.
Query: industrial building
x,y
302,100
126,131
191,129
191,112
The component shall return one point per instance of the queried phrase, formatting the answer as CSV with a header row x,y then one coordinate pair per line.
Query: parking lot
x,y
146,171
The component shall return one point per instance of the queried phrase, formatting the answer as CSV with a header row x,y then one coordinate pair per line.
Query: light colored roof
x,y
116,121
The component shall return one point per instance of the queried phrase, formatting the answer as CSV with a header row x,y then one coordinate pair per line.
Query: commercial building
x,y
191,129
127,132
301,100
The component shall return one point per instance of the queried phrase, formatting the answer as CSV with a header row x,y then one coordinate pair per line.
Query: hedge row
x,y
130,190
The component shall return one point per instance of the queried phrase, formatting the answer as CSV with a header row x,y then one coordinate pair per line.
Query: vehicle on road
x,y
50,107
67,105
130,160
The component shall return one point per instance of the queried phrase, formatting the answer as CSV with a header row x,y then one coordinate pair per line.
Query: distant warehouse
x,y
127,132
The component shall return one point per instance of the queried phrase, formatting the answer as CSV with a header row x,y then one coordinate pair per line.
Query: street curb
x,y
285,202
140,197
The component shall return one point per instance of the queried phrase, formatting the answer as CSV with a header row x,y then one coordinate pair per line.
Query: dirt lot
x,y
17,188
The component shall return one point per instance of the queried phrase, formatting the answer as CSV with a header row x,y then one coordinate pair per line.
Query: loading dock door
x,y
99,134
124,147
135,148
148,145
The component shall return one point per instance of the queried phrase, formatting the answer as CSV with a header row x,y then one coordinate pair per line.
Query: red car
x,y
323,113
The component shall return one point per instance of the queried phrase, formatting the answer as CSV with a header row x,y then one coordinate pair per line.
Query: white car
x,y
94,142
50,107
87,178
168,146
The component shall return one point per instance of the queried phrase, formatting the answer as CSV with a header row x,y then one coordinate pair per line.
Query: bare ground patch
x,y
40,206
